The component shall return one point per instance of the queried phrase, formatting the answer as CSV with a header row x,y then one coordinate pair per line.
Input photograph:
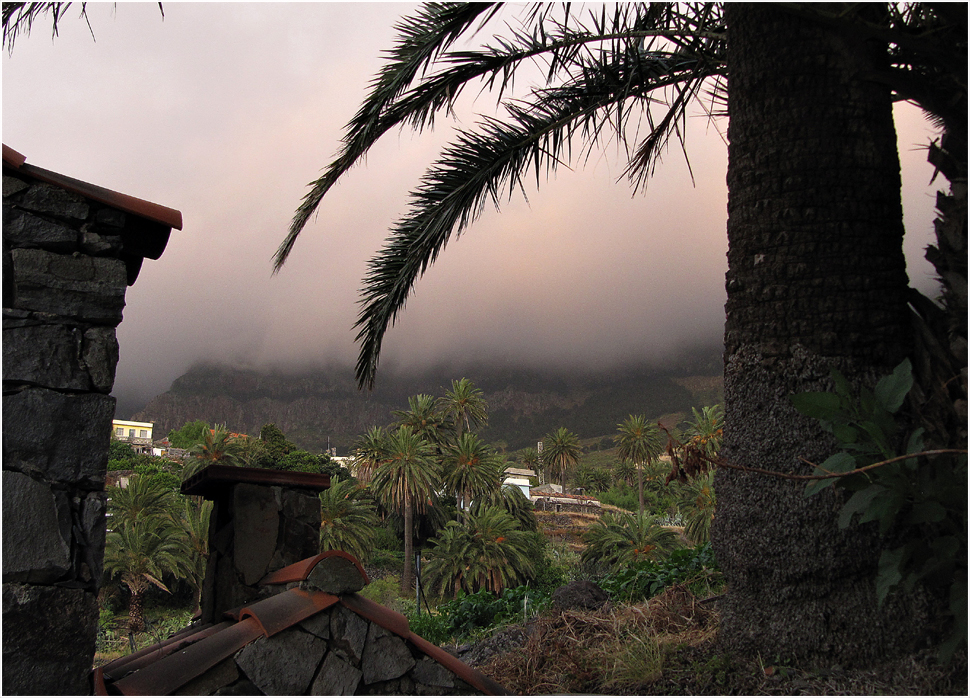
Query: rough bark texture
x,y
816,280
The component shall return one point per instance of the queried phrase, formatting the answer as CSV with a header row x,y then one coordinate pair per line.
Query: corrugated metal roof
x,y
123,202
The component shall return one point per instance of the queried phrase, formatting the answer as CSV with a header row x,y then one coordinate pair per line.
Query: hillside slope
x,y
321,407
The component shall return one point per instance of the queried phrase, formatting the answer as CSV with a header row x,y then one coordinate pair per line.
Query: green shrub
x,y
434,628
695,567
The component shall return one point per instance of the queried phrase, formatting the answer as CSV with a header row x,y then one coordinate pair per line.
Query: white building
x,y
137,434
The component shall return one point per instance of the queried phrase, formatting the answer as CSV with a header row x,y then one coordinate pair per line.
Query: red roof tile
x,y
166,667
286,609
133,662
139,207
168,673
299,571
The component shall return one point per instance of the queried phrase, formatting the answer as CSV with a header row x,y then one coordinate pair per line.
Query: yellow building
x,y
137,434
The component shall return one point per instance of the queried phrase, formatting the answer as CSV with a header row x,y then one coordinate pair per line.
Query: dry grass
x,y
667,646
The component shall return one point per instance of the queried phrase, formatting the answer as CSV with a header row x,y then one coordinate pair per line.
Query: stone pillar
x,y
65,271
262,520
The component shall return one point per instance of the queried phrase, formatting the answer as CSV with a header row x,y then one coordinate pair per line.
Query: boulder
x,y
581,595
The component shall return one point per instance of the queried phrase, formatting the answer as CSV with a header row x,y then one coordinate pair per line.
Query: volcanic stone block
x,y
94,528
430,673
61,437
45,355
100,355
348,633
284,664
256,520
34,549
337,677
336,575
12,185
32,663
22,229
386,656
318,624
86,288
47,198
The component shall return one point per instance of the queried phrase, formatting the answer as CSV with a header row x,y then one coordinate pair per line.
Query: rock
x,y
34,549
256,520
284,664
336,575
348,632
581,595
61,437
386,656
336,677
32,663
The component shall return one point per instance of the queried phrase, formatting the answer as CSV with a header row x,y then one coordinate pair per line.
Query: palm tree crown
x,y
639,442
561,449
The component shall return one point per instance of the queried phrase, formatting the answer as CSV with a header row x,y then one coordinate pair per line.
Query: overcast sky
x,y
226,111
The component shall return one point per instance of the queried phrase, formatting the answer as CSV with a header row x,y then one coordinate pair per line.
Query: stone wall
x,y
66,267
334,653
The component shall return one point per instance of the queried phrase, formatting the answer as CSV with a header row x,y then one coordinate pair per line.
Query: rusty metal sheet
x,y
175,670
299,571
287,609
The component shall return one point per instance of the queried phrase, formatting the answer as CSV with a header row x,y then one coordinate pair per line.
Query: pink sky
x,y
226,111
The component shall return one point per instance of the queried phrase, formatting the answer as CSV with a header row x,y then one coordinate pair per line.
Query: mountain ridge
x,y
323,408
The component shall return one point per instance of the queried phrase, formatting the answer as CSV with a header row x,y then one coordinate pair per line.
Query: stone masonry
x,y
67,263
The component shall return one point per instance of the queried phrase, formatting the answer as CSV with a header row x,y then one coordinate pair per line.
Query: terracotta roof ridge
x,y
177,669
130,204
300,571
286,609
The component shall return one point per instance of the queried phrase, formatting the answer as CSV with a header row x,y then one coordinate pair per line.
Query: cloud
x,y
227,111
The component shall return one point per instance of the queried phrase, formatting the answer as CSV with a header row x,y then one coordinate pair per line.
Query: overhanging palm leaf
x,y
631,55
421,39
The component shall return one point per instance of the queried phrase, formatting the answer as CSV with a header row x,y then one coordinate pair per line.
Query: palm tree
x,y
141,553
620,540
370,450
192,525
706,429
489,552
471,469
816,275
348,519
529,458
218,447
423,416
560,450
624,472
465,405
698,505
142,499
405,482
639,442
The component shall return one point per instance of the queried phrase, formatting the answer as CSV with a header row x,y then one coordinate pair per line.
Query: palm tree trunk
x,y
407,577
640,485
136,609
816,279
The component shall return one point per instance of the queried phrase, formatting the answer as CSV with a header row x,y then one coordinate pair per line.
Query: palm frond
x,y
489,163
421,39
